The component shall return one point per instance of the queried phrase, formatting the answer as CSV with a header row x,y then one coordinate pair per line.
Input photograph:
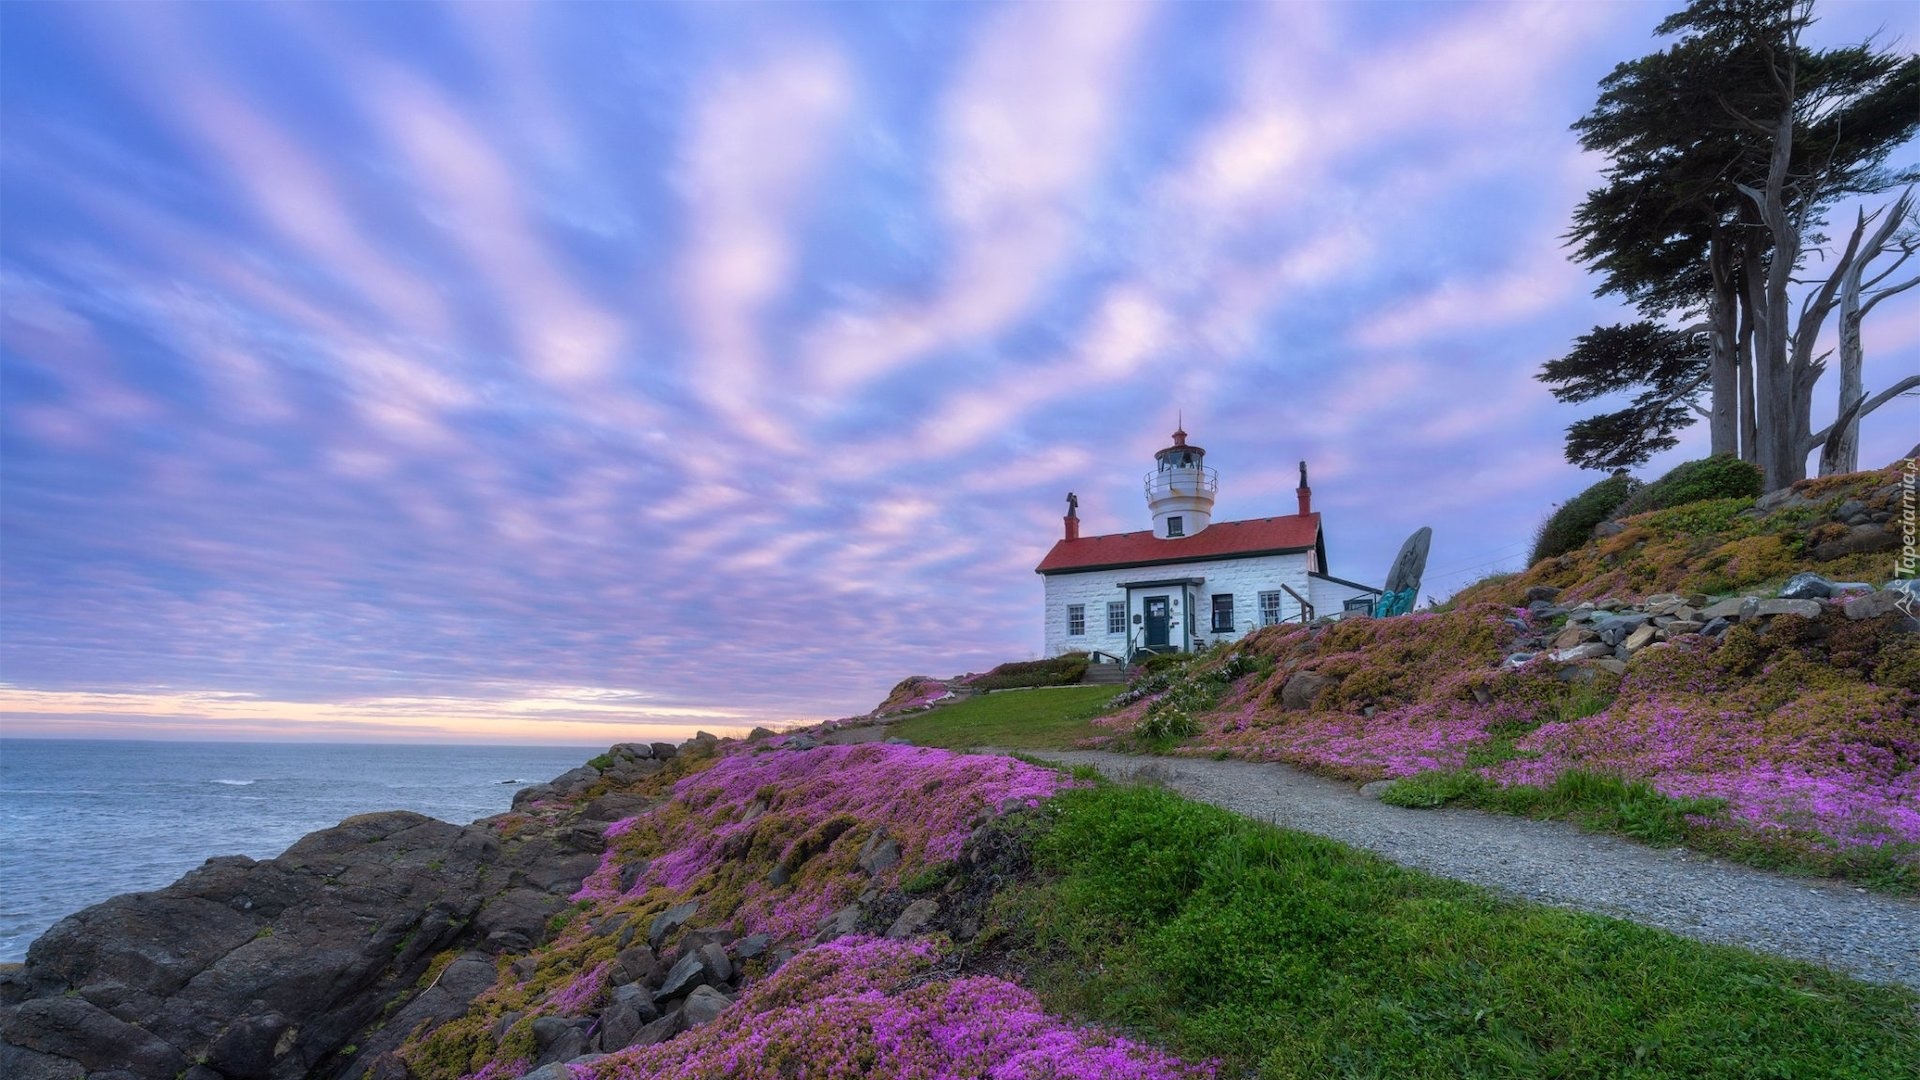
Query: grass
x,y
1284,955
1021,720
1595,800
1632,808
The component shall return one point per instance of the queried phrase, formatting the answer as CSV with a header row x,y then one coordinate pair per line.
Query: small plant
x,y
1572,524
1722,476
600,761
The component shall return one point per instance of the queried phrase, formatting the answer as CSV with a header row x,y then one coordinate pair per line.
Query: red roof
x,y
1220,540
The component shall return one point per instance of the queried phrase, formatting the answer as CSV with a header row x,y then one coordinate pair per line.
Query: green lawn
x,y
1284,955
1016,719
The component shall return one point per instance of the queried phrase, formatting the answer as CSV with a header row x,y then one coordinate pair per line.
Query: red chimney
x,y
1072,519
1305,492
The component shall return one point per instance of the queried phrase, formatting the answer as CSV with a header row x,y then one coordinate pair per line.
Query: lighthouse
x,y
1190,581
1180,490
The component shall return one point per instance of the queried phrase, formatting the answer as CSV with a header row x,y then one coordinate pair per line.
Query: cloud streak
x,y
575,374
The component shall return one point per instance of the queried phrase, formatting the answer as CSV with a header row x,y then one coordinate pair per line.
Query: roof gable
x,y
1220,540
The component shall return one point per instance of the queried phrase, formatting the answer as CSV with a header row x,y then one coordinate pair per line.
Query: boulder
x,y
1873,605
531,794
1570,636
659,1031
1860,540
1542,592
1663,603
576,779
670,920
663,750
1732,608
258,968
1588,651
879,853
713,955
1715,627
636,964
1640,638
1680,627
839,924
914,919
1806,587
1301,690
686,974
751,946
1806,609
1615,628
704,1006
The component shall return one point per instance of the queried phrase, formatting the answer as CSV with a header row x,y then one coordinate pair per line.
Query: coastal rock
x,y
269,967
1542,592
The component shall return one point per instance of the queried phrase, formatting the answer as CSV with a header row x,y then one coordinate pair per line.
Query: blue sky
x,y
535,372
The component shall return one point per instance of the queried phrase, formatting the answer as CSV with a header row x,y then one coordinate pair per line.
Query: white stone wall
x,y
1329,597
1244,578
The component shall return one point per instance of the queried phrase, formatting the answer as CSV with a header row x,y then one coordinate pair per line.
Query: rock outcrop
x,y
285,968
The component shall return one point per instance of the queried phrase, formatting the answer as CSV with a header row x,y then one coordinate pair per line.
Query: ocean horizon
x,y
82,820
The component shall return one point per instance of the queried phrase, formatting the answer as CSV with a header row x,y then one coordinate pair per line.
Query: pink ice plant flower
x,y
1834,765
838,1010
928,801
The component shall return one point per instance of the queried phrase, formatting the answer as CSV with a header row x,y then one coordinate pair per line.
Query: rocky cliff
x,y
680,911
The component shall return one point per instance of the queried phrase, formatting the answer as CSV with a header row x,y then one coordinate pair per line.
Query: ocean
x,y
81,821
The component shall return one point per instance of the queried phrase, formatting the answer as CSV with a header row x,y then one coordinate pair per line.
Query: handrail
x,y
1306,609
1195,479
1097,653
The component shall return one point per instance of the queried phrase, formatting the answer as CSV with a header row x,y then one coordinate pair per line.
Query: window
x,y
1076,620
1116,617
1176,526
1223,613
1269,608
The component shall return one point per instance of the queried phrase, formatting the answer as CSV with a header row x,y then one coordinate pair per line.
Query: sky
x,y
573,373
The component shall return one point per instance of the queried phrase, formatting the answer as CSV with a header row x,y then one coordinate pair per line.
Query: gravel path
x,y
1869,935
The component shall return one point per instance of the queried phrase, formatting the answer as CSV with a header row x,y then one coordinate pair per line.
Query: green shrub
x,y
1722,476
1572,524
1063,670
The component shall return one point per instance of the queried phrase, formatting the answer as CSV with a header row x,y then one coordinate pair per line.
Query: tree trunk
x,y
1749,420
1778,391
1841,452
1724,413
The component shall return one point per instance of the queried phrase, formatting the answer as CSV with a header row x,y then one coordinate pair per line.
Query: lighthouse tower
x,y
1180,490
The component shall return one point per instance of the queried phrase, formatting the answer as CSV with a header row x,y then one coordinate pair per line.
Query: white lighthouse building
x,y
1189,581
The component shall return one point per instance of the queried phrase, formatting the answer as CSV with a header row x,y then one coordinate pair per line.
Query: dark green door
x,y
1159,622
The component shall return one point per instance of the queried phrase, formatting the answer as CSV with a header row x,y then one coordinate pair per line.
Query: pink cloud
x,y
1028,121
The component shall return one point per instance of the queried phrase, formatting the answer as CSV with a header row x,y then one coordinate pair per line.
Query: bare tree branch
x,y
1865,406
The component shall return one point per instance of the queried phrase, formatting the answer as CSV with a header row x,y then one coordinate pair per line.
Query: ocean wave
x,y
236,783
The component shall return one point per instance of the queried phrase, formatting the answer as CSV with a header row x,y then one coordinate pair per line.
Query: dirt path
x,y
1869,935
